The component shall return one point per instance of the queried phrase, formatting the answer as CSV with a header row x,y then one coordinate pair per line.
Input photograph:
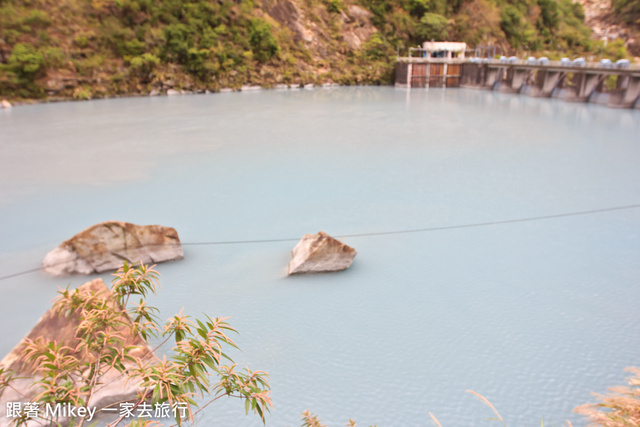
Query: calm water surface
x,y
533,315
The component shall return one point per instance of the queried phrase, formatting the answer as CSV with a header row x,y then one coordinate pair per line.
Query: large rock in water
x,y
107,245
54,326
319,253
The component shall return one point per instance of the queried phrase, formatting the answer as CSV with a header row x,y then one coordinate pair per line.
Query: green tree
x,y
375,47
511,22
433,27
418,8
73,375
549,15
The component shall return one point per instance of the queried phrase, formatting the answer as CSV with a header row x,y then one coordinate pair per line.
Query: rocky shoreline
x,y
175,92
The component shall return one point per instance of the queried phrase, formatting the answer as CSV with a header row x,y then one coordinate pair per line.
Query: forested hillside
x,y
96,48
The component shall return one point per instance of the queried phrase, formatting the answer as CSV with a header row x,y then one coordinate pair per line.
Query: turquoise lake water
x,y
533,315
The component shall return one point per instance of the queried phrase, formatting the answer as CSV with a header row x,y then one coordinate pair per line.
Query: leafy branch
x,y
111,335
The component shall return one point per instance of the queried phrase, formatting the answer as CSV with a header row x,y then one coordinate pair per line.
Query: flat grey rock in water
x,y
320,253
107,245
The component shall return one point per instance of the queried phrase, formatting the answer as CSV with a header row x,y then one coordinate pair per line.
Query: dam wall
x,y
608,84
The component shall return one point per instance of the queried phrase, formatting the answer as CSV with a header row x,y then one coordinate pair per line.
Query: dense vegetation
x,y
95,48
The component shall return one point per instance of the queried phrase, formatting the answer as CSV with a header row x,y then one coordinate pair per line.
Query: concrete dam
x,y
614,84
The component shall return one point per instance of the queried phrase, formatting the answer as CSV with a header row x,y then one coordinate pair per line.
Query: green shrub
x,y
221,30
615,50
201,63
8,80
144,65
549,15
375,48
380,9
208,38
572,37
178,40
38,18
134,47
117,78
86,66
53,57
114,35
441,7
81,41
401,23
334,6
611,82
417,8
578,11
11,36
511,22
433,27
263,43
82,93
26,61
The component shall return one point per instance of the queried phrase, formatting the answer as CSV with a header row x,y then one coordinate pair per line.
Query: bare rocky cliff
x,y
317,28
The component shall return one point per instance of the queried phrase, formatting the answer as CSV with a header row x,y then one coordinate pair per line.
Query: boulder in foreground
x,y
55,326
320,253
107,245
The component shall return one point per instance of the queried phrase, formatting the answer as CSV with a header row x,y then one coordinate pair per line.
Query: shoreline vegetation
x,y
87,49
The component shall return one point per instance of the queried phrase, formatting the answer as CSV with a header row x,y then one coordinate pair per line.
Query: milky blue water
x,y
532,315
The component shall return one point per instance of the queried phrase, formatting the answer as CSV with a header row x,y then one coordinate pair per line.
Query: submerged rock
x,y
54,326
107,245
320,253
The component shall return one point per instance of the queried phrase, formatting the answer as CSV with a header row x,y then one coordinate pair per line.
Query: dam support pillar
x,y
627,97
492,77
584,86
514,80
546,82
519,79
